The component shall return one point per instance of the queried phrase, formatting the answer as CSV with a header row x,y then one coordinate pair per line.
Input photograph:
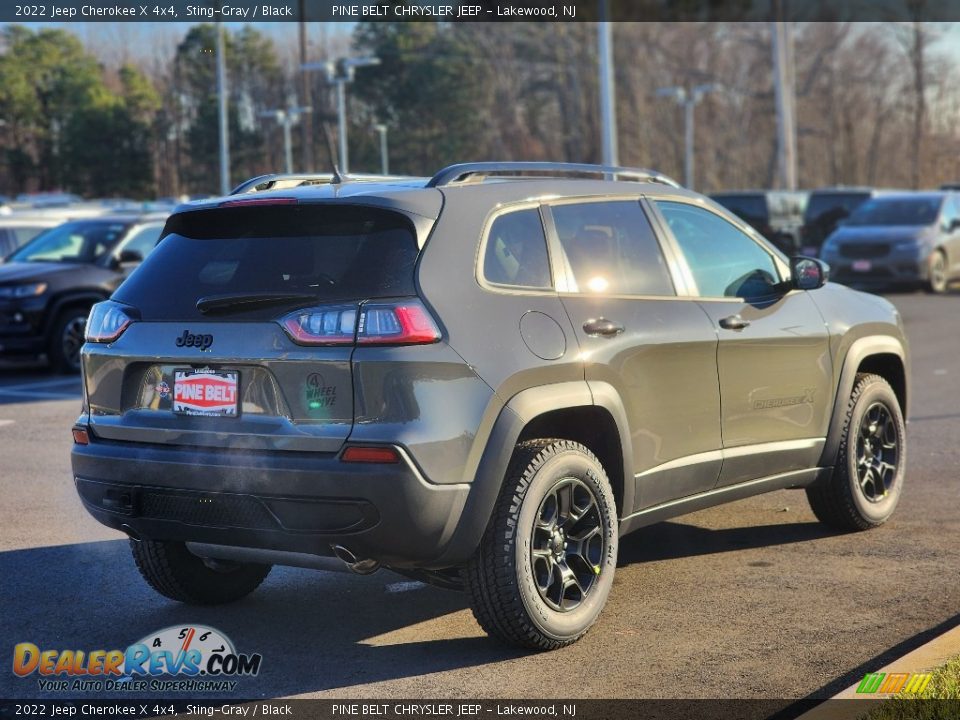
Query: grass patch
x,y
944,687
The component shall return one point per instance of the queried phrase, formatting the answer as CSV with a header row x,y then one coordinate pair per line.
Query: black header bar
x,y
59,11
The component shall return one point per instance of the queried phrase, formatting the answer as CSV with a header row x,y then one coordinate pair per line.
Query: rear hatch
x,y
238,330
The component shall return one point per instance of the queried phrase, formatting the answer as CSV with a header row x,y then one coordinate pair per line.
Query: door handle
x,y
734,322
602,326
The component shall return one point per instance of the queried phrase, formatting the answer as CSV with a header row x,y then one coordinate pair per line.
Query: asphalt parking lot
x,y
750,600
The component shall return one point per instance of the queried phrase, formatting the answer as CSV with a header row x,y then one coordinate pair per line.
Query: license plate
x,y
208,393
862,265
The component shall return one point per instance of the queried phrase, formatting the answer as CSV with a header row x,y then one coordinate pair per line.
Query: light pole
x,y
785,97
608,107
222,110
287,118
384,156
340,73
688,99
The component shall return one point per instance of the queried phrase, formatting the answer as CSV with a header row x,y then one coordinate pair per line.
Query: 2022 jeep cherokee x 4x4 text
x,y
483,379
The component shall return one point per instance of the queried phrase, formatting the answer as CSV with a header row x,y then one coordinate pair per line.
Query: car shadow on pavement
x,y
671,540
316,631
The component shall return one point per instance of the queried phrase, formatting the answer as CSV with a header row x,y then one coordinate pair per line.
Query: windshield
x,y
250,260
897,211
84,241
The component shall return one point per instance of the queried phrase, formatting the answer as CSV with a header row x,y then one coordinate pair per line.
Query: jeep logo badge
x,y
188,339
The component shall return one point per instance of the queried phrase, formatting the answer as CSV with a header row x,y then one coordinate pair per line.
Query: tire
x,y
519,578
858,496
175,572
937,282
66,339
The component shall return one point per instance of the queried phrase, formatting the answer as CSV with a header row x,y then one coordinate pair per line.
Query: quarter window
x,y
725,261
611,249
516,251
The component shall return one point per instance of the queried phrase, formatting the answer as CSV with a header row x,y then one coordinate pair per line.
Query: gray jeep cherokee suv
x,y
483,380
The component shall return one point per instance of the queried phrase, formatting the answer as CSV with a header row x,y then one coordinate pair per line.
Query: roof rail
x,y
465,171
281,181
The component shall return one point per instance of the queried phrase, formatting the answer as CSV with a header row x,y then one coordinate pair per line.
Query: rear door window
x,y
322,252
611,248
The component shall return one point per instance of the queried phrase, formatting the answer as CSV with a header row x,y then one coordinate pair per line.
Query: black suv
x,y
48,286
483,380
825,210
775,214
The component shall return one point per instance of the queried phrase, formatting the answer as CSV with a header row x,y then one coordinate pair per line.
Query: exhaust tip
x,y
366,566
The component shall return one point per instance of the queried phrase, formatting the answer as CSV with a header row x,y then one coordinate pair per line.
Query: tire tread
x,y
491,581
832,501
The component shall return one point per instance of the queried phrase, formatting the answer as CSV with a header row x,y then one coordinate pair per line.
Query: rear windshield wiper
x,y
238,302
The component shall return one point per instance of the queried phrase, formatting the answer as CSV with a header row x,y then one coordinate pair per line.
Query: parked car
x,y
826,207
775,214
479,384
48,286
16,231
905,239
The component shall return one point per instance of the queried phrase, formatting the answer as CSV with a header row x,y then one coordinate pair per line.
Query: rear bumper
x,y
298,502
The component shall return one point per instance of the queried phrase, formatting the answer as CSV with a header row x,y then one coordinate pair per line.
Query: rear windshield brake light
x,y
259,201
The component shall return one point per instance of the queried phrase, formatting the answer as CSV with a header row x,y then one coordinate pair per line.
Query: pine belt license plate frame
x,y
220,402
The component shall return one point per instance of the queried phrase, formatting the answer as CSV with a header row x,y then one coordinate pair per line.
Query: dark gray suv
x,y
481,380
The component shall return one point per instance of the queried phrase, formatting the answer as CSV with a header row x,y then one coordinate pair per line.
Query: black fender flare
x,y
859,351
89,297
495,459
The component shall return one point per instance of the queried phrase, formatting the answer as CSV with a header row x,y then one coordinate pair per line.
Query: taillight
x,y
396,323
322,325
403,322
107,321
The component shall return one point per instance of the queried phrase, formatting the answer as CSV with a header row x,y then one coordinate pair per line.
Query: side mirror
x,y
130,257
809,273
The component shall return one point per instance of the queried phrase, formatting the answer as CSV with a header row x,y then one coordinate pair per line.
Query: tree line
x,y
876,104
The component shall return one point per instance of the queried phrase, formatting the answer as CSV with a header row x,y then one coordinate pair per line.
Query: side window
x,y
725,262
611,248
516,251
949,213
144,239
21,236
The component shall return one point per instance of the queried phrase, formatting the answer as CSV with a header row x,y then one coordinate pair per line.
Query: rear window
x,y
752,208
832,206
327,252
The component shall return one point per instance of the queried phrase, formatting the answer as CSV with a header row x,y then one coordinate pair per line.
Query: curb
x,y
925,658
